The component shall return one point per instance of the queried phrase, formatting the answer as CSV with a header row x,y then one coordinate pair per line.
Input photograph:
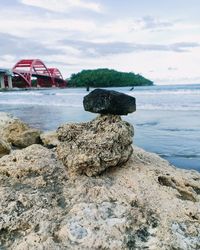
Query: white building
x,y
5,78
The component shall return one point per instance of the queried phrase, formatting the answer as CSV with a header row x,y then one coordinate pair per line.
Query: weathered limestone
x,y
26,203
49,139
4,148
5,119
90,148
16,132
137,206
143,204
109,102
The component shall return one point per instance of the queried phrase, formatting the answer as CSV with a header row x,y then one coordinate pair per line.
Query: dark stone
x,y
143,234
109,102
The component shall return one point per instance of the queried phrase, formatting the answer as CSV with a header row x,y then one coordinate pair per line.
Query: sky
x,y
159,39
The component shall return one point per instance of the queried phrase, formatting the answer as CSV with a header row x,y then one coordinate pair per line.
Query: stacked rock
x,y
90,148
109,102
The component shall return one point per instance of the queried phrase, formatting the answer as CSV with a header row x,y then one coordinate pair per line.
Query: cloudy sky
x,y
156,38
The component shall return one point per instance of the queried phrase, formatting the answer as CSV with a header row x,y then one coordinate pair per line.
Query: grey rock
x,y
124,208
187,236
109,102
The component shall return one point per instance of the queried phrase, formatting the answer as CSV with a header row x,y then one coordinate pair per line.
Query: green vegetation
x,y
106,78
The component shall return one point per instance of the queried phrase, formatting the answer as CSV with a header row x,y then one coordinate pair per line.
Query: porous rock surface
x,y
49,139
16,132
90,148
4,148
145,204
104,101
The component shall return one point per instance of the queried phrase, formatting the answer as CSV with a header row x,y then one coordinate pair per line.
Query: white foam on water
x,y
177,107
69,94
41,103
152,98
16,93
164,92
70,104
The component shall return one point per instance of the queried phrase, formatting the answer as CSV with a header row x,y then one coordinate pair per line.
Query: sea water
x,y
167,120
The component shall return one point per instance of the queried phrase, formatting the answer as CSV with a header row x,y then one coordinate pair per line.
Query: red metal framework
x,y
57,77
55,73
25,69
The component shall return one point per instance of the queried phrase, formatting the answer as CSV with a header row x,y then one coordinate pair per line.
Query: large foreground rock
x,y
16,132
145,204
90,148
109,102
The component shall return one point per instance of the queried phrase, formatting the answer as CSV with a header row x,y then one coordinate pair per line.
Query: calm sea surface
x,y
167,120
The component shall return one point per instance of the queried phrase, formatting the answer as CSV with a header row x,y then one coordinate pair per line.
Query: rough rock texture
x,y
109,102
16,132
90,148
4,148
49,139
5,119
145,204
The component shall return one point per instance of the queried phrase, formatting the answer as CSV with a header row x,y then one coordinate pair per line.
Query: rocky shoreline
x,y
57,194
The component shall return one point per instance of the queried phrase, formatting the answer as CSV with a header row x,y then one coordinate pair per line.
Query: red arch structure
x,y
24,70
57,77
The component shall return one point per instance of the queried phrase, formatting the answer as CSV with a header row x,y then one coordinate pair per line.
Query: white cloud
x,y
64,5
44,28
7,61
126,44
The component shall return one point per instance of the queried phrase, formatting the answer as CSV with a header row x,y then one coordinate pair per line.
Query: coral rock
x,y
49,139
4,148
90,148
17,132
138,206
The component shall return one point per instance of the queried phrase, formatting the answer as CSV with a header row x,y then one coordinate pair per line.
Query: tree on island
x,y
107,78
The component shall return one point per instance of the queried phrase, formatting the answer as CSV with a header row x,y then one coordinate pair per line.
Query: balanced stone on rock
x,y
109,102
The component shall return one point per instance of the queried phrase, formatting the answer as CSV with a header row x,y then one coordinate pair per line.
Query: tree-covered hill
x,y
107,78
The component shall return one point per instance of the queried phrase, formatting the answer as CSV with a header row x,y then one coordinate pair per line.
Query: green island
x,y
107,78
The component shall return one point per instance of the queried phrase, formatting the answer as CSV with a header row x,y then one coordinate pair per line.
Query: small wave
x,y
21,93
147,124
69,94
179,129
168,107
187,156
49,94
164,92
56,104
78,103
